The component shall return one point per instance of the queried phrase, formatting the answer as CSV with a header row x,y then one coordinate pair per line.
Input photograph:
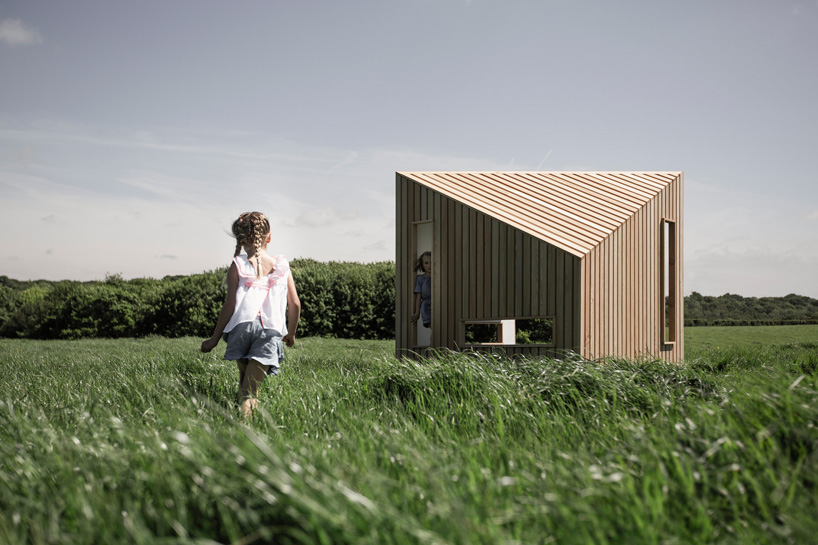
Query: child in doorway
x,y
260,291
423,290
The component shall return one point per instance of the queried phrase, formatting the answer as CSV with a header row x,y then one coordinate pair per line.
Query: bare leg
x,y
254,375
242,365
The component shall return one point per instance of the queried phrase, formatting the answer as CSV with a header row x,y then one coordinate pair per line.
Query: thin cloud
x,y
24,156
378,246
350,159
168,256
324,217
158,185
15,32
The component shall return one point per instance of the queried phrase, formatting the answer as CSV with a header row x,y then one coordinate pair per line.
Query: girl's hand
x,y
289,340
209,344
414,317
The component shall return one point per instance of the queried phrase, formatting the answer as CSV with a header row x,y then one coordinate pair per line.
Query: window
x,y
529,331
667,280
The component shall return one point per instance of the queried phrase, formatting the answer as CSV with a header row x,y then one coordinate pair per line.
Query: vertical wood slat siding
x,y
559,336
649,248
460,272
504,280
442,242
488,265
401,227
464,240
471,281
441,255
479,272
526,283
567,309
433,211
636,281
622,307
452,271
678,191
495,268
533,282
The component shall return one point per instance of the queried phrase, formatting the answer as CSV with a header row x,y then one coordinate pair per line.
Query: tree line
x,y
732,309
338,299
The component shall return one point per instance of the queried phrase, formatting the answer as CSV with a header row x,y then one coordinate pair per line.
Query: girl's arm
x,y
414,317
293,311
227,309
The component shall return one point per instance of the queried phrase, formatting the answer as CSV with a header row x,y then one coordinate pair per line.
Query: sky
x,y
132,134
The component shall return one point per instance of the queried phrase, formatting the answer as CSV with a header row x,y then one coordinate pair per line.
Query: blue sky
x,y
132,133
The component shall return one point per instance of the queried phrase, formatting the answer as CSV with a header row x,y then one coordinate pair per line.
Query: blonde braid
x,y
250,230
258,240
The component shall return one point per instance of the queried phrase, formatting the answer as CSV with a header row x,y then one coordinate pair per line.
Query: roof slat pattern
x,y
574,211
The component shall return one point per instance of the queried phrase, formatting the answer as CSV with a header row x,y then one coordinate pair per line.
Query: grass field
x,y
138,441
704,338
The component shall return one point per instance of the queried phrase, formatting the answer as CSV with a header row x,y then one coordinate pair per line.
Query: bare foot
x,y
248,408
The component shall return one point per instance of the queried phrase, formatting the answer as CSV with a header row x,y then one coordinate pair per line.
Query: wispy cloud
x,y
160,201
324,217
23,156
169,188
377,246
15,32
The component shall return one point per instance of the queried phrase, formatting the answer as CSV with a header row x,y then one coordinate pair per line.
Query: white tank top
x,y
265,296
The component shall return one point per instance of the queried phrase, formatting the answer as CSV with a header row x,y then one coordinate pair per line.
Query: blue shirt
x,y
423,286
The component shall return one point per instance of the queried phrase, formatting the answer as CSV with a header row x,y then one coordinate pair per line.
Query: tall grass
x,y
138,441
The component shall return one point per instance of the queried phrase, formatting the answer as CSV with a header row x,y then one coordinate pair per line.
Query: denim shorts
x,y
250,341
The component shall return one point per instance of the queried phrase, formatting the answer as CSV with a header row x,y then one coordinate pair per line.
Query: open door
x,y
424,241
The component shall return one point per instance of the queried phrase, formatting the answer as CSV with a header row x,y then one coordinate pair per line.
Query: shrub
x,y
99,311
186,305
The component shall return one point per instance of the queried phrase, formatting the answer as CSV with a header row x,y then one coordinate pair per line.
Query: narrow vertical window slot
x,y
669,297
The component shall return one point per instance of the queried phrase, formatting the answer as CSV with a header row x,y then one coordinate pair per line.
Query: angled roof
x,y
574,211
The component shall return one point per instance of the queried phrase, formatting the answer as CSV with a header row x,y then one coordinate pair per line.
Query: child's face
x,y
427,264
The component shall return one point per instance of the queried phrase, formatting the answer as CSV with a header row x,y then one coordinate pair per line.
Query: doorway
x,y
424,242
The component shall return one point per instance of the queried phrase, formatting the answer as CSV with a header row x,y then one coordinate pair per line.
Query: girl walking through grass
x,y
261,311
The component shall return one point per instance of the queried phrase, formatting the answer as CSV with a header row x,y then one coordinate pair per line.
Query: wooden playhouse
x,y
544,263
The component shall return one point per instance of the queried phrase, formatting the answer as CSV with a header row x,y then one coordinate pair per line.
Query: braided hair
x,y
251,230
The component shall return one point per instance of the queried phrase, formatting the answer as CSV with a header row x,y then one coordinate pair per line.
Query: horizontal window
x,y
528,331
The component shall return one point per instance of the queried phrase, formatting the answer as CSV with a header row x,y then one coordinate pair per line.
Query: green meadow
x,y
139,441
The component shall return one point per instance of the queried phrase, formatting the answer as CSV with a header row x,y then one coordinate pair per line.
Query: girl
x,y
252,320
423,290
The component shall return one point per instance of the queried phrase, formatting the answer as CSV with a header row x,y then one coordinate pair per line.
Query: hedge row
x,y
339,299
697,322
348,300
